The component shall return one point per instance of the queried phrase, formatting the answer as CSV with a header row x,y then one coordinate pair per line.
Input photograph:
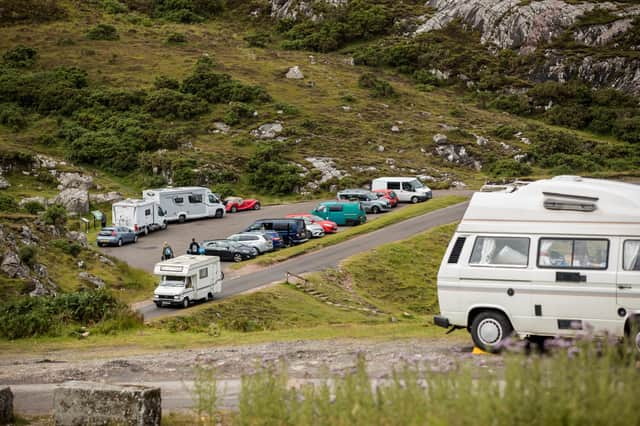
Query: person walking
x,y
103,219
167,251
194,247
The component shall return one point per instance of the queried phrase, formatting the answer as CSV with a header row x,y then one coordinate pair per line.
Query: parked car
x,y
313,230
341,212
116,236
328,226
292,231
275,238
237,204
260,242
228,250
389,195
369,201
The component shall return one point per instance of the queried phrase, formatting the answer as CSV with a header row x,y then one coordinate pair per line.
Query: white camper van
x,y
556,257
187,278
192,202
408,189
141,216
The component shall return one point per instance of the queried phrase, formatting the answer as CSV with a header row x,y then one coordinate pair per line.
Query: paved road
x,y
326,258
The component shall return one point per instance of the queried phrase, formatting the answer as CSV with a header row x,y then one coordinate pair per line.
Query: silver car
x,y
313,229
369,200
258,241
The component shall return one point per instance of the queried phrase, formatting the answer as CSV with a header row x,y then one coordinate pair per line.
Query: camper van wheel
x,y
256,206
120,242
146,230
237,257
219,213
185,302
209,296
488,329
158,304
414,200
182,218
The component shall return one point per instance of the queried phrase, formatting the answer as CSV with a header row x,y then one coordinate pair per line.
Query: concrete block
x,y
6,406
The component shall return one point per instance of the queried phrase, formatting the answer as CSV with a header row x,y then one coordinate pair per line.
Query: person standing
x,y
194,247
167,251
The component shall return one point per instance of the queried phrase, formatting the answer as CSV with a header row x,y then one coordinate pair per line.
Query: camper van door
x,y
575,284
628,288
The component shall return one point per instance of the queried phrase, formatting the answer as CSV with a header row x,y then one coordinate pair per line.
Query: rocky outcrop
x,y
75,200
83,403
294,73
327,168
293,9
267,131
599,35
4,183
109,197
75,180
91,279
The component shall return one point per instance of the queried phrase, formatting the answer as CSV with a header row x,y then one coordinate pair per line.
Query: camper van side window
x,y
631,256
203,273
147,212
195,198
178,200
504,251
393,185
572,253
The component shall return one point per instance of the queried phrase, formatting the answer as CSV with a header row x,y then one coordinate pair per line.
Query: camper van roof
x,y
182,265
132,201
178,188
397,178
549,205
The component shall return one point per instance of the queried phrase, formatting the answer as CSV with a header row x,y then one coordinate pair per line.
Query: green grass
x,y
329,240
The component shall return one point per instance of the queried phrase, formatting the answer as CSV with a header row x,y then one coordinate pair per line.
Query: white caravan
x,y
193,202
141,216
556,257
408,189
187,278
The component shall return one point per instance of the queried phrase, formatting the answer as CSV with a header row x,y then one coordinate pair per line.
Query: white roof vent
x,y
579,203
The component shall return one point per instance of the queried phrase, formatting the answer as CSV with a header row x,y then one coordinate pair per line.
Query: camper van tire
x,y
182,218
256,206
219,213
185,302
209,296
489,329
414,200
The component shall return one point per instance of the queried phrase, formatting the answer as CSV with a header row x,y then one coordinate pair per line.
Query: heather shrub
x,y
103,32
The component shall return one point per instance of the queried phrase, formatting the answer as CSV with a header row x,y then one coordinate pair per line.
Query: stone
x,y
82,403
75,200
41,200
91,279
221,127
109,197
12,266
268,131
380,148
39,289
294,73
395,129
457,154
6,406
75,180
44,162
481,140
327,168
4,183
346,108
106,261
440,139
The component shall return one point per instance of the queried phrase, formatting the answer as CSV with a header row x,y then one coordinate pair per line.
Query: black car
x,y
228,250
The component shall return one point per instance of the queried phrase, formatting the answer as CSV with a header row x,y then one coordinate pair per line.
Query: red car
x,y
237,204
328,226
389,195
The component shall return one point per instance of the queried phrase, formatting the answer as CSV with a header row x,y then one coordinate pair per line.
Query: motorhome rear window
x,y
195,198
500,251
573,253
631,256
147,212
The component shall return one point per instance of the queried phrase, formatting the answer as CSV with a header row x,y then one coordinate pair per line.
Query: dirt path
x,y
33,379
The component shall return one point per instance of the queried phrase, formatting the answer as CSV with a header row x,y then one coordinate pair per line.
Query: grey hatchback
x,y
116,236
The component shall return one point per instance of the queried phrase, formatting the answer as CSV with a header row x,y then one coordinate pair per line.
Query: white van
x,y
408,189
184,203
141,216
187,278
556,257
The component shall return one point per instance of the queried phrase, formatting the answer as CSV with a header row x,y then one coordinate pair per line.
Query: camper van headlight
x,y
176,297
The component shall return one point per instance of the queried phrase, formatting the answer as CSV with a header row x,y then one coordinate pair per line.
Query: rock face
x,y
6,406
109,197
91,279
268,131
457,154
327,168
292,9
40,200
294,73
75,200
82,403
75,180
4,183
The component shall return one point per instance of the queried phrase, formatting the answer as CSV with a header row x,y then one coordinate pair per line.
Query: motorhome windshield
x,y
172,281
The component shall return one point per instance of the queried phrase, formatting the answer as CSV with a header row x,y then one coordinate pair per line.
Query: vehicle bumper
x,y
441,321
167,302
107,241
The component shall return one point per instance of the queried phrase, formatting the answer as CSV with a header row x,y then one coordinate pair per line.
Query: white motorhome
x,y
184,203
556,257
141,216
408,189
186,279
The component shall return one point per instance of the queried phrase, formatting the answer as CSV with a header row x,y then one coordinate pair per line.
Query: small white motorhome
x,y
141,216
556,257
186,279
184,203
408,189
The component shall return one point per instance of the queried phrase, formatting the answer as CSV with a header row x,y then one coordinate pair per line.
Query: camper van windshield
x,y
172,281
416,184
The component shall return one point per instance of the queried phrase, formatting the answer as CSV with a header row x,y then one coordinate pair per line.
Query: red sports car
x,y
328,226
237,204
389,195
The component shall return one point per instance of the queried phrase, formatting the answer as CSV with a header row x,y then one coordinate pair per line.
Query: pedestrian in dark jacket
x,y
103,219
167,251
194,247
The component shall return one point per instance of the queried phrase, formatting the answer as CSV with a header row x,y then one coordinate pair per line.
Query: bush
x,y
70,248
164,82
188,11
269,172
258,39
20,56
114,6
55,215
27,255
504,131
379,88
509,168
177,38
103,32
12,116
166,103
14,12
237,112
221,88
33,207
224,190
515,104
8,204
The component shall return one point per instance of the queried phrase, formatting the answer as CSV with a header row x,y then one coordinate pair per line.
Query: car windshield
x,y
416,184
106,231
171,281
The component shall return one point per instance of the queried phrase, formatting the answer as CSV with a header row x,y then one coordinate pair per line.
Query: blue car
x,y
116,236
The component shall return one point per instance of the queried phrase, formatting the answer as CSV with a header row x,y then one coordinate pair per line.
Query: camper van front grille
x,y
457,249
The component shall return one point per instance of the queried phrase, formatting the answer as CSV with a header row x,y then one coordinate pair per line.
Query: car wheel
x,y
255,251
219,213
489,329
158,304
234,209
185,302
375,209
135,238
237,257
256,206
182,218
120,242
414,200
